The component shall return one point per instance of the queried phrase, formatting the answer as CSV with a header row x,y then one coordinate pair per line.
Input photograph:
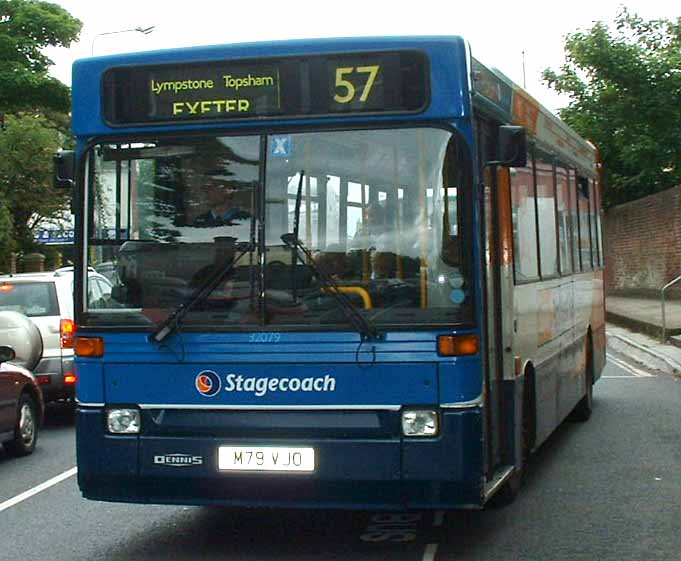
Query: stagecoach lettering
x,y
261,386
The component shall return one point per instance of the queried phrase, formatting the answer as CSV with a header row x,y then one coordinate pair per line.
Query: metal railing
x,y
664,317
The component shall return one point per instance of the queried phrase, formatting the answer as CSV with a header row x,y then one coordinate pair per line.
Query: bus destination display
x,y
312,85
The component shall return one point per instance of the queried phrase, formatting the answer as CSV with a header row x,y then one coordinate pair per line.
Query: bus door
x,y
493,298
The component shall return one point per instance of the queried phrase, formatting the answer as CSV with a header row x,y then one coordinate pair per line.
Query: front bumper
x,y
356,468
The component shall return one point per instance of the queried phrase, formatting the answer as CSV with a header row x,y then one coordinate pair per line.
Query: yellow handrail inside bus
x,y
362,292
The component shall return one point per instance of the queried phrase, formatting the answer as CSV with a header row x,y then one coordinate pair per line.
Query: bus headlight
x,y
123,421
419,422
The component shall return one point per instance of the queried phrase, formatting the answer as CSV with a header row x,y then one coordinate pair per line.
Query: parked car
x,y
47,299
21,400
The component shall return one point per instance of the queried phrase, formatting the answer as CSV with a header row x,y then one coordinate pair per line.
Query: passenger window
x,y
592,221
524,219
584,223
599,228
564,220
546,207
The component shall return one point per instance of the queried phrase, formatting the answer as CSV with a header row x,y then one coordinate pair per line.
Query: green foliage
x,y
6,232
26,28
625,90
28,146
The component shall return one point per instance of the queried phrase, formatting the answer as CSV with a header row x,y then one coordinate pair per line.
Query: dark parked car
x,y
21,406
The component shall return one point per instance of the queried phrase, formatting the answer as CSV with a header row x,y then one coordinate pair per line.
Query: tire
x,y
26,428
582,411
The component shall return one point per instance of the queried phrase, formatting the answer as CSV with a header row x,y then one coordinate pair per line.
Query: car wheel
x,y
26,428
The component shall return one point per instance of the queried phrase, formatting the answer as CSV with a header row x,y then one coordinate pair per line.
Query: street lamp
x,y
143,30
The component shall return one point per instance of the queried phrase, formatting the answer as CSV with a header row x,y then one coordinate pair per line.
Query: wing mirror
x,y
65,169
6,354
512,147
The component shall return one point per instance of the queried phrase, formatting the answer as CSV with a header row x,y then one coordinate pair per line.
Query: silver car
x,y
47,299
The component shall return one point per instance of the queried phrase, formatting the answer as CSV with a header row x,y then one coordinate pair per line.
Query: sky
x,y
499,32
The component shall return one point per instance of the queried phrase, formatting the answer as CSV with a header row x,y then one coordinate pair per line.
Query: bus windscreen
x,y
387,82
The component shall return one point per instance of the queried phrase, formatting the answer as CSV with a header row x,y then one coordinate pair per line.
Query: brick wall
x,y
643,243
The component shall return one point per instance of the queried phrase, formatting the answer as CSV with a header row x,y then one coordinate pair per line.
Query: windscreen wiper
x,y
296,229
171,323
366,329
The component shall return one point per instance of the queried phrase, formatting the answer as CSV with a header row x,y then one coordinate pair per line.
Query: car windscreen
x,y
33,299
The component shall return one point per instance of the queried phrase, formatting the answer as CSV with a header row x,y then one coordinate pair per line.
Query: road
x,y
609,489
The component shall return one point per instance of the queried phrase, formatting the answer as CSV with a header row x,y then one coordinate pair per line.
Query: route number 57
x,y
345,82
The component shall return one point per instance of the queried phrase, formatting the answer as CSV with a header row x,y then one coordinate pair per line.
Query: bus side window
x,y
599,227
564,220
584,226
574,221
593,211
546,208
524,216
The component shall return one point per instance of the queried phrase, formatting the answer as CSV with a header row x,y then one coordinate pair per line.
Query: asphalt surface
x,y
609,489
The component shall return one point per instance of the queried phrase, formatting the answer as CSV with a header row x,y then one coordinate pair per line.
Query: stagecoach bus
x,y
348,273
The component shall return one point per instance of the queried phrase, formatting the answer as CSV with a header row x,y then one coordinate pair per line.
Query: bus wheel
x,y
582,411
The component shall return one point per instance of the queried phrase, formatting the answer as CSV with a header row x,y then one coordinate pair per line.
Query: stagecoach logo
x,y
207,383
178,460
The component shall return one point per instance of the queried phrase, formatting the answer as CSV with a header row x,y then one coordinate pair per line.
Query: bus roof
x,y
447,58
449,89
511,103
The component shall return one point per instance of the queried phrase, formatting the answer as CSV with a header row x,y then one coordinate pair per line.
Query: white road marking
x,y
429,554
627,367
438,518
37,489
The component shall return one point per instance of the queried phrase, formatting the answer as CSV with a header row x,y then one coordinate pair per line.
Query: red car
x,y
21,406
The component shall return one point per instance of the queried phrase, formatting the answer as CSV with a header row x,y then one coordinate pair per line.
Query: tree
x,y
625,90
28,146
6,228
27,27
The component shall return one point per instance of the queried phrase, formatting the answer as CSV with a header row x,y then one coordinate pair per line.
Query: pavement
x,y
634,329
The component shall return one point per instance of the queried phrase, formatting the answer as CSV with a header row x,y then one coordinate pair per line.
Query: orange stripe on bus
x,y
505,220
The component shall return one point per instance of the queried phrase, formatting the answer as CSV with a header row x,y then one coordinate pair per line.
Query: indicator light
x,y
92,347
457,345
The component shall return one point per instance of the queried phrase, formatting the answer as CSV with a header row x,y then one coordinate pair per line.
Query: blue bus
x,y
345,273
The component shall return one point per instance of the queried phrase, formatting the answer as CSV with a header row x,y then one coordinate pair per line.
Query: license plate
x,y
265,458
